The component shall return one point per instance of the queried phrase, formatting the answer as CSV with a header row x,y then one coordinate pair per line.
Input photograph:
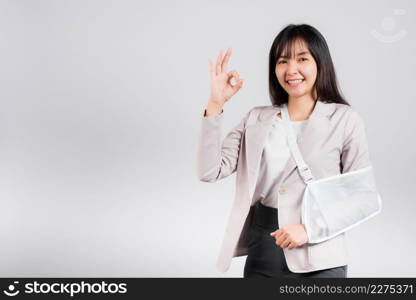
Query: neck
x,y
300,108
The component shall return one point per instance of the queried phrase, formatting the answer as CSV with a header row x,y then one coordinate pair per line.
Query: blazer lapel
x,y
255,137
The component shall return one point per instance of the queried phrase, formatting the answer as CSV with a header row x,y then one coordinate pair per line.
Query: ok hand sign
x,y
221,88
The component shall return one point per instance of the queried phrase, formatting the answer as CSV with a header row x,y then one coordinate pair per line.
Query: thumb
x,y
276,233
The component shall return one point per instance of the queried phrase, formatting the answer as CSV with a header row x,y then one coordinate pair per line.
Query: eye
x,y
282,61
303,59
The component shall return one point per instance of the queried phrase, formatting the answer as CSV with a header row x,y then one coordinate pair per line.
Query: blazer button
x,y
282,191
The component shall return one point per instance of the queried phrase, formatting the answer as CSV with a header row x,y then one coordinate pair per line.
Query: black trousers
x,y
265,259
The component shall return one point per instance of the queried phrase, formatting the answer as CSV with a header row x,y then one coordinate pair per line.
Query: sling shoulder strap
x,y
303,168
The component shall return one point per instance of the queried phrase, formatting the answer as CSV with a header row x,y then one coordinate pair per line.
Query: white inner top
x,y
274,158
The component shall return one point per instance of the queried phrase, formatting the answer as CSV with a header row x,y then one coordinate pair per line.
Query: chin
x,y
297,94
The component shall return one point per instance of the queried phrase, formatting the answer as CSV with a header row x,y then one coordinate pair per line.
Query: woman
x,y
265,221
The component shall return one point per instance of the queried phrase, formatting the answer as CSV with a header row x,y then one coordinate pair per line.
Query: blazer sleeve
x,y
216,159
355,154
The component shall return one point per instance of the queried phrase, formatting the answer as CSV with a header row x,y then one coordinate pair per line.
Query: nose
x,y
292,68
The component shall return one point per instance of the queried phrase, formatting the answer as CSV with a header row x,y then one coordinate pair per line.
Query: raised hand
x,y
221,88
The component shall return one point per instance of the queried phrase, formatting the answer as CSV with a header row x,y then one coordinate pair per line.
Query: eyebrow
x,y
300,53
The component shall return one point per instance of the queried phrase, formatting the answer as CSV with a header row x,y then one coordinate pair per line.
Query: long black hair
x,y
326,81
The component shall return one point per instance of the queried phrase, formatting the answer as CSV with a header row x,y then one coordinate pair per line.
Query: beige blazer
x,y
332,142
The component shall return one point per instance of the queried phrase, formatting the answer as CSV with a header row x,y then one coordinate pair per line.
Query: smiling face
x,y
296,71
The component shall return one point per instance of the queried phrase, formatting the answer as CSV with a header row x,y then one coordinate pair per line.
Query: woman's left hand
x,y
291,236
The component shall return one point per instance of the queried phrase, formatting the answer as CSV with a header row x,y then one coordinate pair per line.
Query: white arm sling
x,y
335,204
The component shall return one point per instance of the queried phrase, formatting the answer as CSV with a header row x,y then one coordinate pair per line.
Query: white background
x,y
101,103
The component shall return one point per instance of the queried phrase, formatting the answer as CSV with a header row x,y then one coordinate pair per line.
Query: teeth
x,y
295,81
